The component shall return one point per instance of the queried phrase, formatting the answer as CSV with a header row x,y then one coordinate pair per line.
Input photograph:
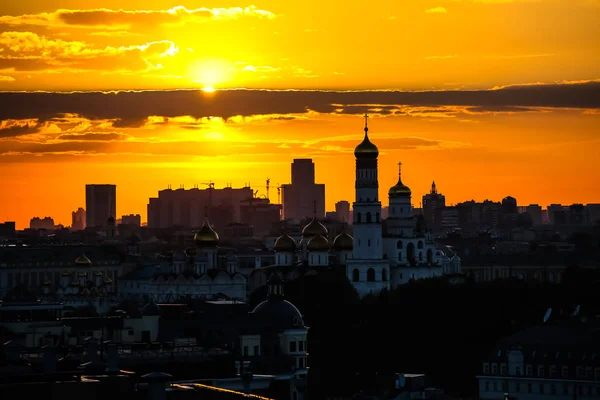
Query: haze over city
x,y
507,98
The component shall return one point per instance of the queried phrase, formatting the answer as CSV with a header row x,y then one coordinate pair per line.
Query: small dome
x,y
85,292
342,242
285,243
206,236
279,314
46,281
83,261
106,280
399,189
366,149
318,243
314,228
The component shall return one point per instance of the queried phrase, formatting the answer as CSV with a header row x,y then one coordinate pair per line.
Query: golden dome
x,y
206,236
83,261
399,189
106,279
318,243
342,242
285,243
366,149
46,281
314,228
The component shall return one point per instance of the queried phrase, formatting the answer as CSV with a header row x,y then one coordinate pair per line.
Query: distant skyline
x,y
487,98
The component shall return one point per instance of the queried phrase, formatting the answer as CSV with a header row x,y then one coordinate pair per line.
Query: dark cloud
x,y
18,129
131,108
506,108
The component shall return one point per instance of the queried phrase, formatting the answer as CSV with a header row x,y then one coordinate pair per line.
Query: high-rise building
x,y
100,204
299,197
41,223
188,207
342,210
432,201
78,219
132,219
535,211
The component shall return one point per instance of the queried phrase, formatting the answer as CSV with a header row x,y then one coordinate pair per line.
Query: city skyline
x,y
516,115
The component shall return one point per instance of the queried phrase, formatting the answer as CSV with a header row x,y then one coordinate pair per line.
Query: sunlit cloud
x,y
436,10
28,51
124,19
6,78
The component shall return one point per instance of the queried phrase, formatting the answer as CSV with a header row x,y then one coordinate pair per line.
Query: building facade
x,y
100,204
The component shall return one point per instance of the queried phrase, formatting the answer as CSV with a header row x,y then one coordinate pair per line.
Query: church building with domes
x,y
381,254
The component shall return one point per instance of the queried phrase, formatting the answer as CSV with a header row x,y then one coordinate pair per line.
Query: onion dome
x,y
83,261
206,236
366,149
317,243
285,243
399,189
94,291
314,228
106,280
111,220
343,242
85,292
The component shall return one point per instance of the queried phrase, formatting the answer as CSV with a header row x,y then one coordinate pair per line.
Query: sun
x,y
209,74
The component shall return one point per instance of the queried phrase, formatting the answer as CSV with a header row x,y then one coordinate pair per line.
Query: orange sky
x,y
538,153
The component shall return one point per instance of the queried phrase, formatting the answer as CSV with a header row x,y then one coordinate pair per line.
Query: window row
x,y
371,275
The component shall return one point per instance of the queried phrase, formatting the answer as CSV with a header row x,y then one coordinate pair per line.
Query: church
x,y
381,254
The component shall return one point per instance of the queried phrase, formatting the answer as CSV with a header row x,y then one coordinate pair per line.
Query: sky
x,y
489,98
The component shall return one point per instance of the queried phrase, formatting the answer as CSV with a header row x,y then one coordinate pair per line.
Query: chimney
x,y
157,385
112,359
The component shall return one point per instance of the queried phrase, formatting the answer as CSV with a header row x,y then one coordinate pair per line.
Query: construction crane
x,y
211,186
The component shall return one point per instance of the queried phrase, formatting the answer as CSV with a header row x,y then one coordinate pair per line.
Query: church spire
x,y
366,125
433,188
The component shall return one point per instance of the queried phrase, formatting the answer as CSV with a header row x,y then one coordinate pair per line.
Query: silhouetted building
x,y
299,196
342,210
556,214
555,360
42,223
535,211
132,219
100,204
431,202
7,229
260,214
78,219
186,208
